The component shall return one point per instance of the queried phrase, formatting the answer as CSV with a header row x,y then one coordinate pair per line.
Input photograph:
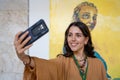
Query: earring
x,y
85,43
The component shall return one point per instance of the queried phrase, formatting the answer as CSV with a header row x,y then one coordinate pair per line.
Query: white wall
x,y
39,9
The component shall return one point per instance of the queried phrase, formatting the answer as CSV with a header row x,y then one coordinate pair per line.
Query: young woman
x,y
79,63
87,12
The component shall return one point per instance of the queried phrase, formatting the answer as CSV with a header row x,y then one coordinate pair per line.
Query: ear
x,y
86,40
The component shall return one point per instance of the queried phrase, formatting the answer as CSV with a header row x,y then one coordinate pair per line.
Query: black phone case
x,y
36,31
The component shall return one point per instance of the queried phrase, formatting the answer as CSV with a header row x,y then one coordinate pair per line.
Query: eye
x,y
69,34
94,17
86,16
79,35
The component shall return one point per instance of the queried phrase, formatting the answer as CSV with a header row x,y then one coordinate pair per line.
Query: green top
x,y
82,74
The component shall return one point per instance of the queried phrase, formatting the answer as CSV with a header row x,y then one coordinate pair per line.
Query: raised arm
x,y
20,49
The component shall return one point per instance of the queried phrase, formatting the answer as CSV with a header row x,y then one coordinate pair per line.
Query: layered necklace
x,y
82,66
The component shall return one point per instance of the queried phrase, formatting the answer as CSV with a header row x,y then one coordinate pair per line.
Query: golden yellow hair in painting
x,y
105,35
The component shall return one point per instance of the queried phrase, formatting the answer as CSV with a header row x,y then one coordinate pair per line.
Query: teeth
x,y
73,44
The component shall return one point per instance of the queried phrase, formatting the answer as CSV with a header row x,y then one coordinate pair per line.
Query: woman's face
x,y
76,39
88,16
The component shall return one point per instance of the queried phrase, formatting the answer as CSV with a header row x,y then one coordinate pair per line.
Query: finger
x,y
22,37
25,41
20,47
21,51
27,47
16,38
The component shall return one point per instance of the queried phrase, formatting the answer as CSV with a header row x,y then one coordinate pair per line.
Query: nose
x,y
91,20
73,38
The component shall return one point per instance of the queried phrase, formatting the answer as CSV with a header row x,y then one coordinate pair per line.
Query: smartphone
x,y
36,31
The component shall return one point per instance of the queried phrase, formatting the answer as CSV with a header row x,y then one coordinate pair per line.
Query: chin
x,y
74,50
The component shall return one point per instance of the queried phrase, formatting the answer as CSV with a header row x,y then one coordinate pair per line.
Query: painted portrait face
x,y
88,15
76,40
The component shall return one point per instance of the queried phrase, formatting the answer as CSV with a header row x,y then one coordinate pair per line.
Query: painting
x,y
103,20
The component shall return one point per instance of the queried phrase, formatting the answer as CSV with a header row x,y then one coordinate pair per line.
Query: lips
x,y
73,44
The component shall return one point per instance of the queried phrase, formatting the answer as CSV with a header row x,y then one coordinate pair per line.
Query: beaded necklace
x,y
82,73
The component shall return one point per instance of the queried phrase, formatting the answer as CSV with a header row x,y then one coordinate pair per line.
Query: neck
x,y
80,55
80,58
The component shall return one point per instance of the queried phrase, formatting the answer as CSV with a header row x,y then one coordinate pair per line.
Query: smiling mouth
x,y
73,44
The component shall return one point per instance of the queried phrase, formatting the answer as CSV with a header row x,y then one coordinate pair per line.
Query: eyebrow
x,y
76,33
89,13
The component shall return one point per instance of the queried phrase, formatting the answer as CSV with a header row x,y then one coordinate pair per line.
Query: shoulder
x,y
61,57
94,61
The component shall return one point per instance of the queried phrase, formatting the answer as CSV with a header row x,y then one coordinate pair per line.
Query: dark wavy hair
x,y
89,49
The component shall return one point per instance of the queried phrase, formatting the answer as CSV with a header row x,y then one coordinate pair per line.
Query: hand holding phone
x,y
36,31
